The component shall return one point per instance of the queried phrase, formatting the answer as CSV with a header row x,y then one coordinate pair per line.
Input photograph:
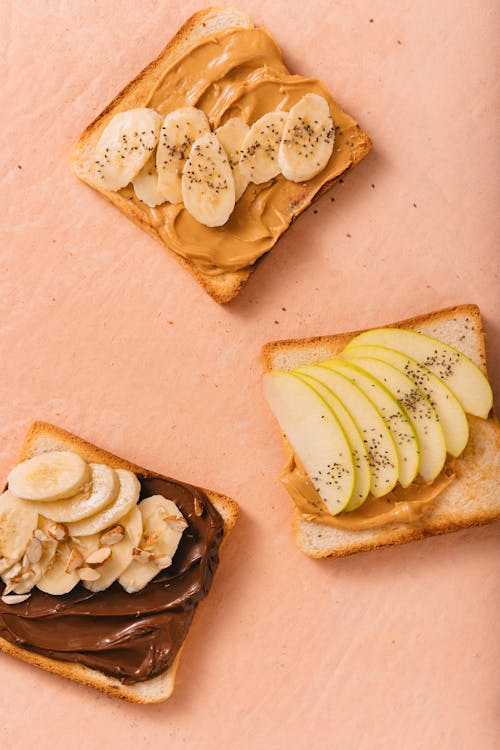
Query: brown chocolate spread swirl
x,y
132,637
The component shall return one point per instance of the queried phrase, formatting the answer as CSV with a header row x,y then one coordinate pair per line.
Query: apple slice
x,y
382,454
395,417
315,435
359,452
447,406
459,373
420,411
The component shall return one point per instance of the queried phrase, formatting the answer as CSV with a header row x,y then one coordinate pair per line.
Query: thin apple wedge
x,y
395,417
420,411
382,454
359,452
459,373
447,406
315,435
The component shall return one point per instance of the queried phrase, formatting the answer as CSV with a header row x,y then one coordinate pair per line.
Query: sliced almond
x,y
26,575
176,524
58,531
5,563
41,535
142,556
198,507
75,560
15,598
164,561
13,572
34,550
88,574
113,536
98,558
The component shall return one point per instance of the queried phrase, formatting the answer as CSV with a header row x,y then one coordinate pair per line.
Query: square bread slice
x,y
43,437
472,499
354,145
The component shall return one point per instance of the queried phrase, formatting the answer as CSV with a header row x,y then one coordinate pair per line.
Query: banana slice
x,y
259,158
179,131
121,553
32,571
49,476
308,139
128,496
207,182
60,575
231,136
146,185
101,491
125,145
162,527
18,520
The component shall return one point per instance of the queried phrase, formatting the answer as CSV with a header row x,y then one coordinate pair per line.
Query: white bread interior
x,y
43,437
473,498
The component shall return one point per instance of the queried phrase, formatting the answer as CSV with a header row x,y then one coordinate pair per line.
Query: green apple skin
x,y
398,422
382,453
359,452
315,435
420,411
447,406
460,374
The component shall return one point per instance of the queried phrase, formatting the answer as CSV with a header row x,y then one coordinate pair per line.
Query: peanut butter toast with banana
x,y
216,148
389,433
103,564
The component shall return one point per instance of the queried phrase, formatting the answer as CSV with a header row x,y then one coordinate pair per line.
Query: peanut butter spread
x,y
240,73
401,505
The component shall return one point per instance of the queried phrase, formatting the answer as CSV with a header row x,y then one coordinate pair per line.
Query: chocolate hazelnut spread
x,y
132,637
401,505
240,73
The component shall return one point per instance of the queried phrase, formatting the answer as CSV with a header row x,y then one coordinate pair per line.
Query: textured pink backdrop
x,y
103,333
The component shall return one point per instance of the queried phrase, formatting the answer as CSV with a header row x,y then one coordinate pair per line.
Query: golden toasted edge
x,y
337,342
224,287
159,688
402,536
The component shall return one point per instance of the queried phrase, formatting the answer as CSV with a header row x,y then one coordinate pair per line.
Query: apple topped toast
x,y
382,431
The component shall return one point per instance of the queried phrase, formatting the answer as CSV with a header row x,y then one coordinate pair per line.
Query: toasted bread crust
x,y
337,341
158,688
480,456
224,287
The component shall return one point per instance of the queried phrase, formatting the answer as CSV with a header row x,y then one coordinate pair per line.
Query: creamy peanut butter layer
x,y
240,73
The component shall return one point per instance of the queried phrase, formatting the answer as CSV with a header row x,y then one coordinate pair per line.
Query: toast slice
x,y
471,499
43,437
225,286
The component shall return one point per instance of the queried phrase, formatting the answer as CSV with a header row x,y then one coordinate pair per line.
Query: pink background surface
x,y
105,334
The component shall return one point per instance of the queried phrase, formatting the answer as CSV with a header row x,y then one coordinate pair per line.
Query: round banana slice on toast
x,y
162,527
259,150
146,185
231,136
99,493
178,132
128,495
49,476
18,520
308,138
125,145
121,553
207,182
